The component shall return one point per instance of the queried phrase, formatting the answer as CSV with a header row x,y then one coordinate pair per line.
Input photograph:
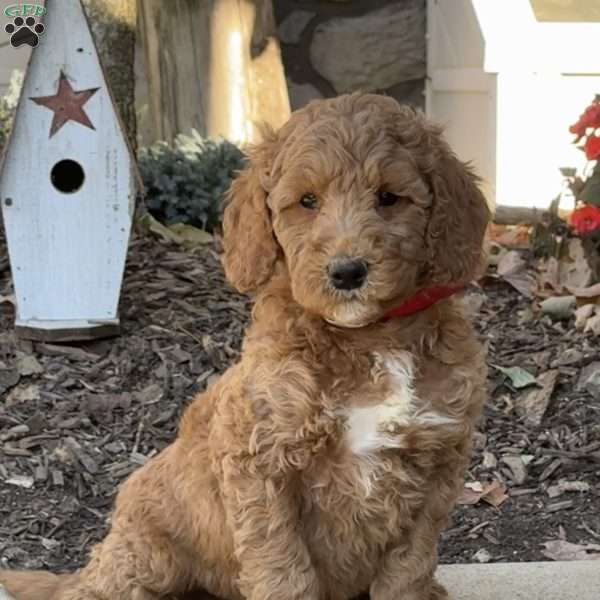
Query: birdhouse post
x,y
68,184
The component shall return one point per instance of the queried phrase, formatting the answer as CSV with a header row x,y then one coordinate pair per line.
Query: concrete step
x,y
577,580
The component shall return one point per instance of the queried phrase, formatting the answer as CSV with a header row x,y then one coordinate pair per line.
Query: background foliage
x,y
185,183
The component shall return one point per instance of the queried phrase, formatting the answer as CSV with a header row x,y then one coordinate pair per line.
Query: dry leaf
x,y
510,236
570,356
571,271
593,325
563,550
578,273
473,303
582,314
471,493
29,393
519,377
533,404
189,236
493,493
548,277
27,364
180,233
150,394
592,291
512,267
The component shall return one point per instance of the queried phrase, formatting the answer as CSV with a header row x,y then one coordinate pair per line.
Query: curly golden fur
x,y
325,462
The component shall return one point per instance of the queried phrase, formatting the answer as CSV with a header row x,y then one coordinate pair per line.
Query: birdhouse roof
x,y
66,84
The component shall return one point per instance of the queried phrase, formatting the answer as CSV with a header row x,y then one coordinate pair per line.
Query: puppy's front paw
x,y
438,592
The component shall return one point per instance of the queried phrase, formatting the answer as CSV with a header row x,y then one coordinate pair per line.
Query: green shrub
x,y
8,106
185,183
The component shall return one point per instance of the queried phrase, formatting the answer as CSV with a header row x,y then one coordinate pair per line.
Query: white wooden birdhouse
x,y
67,187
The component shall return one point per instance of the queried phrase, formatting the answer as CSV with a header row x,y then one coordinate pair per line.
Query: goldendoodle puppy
x,y
325,463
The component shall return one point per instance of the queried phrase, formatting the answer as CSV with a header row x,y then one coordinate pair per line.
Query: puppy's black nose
x,y
347,273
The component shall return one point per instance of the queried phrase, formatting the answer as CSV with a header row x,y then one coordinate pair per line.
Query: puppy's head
x,y
362,201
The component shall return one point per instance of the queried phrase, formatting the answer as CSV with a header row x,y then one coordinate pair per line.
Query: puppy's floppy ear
x,y
459,212
459,218
250,248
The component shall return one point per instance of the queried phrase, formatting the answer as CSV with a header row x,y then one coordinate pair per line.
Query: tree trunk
x,y
113,24
213,65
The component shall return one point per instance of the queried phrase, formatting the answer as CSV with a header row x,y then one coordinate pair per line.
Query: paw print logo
x,y
24,31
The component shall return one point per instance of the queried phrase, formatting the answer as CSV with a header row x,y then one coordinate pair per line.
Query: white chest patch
x,y
379,426
370,427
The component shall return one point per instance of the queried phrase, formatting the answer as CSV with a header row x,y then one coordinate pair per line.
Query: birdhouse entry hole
x,y
67,176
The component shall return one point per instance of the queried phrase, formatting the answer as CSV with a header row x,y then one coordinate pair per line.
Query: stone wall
x,y
334,46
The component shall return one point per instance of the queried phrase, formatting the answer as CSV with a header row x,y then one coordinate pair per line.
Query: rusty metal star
x,y
67,105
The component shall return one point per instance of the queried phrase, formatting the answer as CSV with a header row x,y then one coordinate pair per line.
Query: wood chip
x,y
550,469
71,352
24,481
57,477
556,506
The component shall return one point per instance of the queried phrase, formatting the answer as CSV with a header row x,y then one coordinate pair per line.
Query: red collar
x,y
422,300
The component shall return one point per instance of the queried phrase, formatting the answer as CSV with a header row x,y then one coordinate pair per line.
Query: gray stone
x,y
292,27
482,556
372,52
301,94
559,307
576,580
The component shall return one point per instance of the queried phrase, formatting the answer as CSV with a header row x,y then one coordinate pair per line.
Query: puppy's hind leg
x,y
129,565
32,585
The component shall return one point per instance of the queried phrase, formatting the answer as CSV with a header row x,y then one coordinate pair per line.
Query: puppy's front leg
x,y
408,570
274,561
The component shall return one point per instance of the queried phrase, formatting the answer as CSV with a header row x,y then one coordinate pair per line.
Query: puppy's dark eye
x,y
386,198
309,201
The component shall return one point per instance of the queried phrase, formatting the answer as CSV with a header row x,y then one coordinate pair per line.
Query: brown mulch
x,y
75,420
551,470
91,413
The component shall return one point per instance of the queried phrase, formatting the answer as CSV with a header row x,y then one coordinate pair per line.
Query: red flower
x,y
592,147
589,118
585,219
